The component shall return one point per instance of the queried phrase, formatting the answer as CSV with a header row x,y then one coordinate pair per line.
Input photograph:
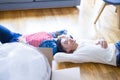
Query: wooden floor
x,y
79,22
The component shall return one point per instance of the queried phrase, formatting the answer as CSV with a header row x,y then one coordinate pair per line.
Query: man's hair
x,y
59,45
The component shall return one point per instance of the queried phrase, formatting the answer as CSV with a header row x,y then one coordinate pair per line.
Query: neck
x,y
75,47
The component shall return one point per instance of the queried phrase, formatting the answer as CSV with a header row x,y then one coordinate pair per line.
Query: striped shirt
x,y
37,38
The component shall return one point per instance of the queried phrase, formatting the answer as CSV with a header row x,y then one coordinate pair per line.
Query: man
x,y
88,51
39,39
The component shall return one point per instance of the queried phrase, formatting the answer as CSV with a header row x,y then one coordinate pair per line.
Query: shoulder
x,y
49,44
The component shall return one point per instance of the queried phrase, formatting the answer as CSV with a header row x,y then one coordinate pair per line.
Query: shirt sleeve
x,y
49,44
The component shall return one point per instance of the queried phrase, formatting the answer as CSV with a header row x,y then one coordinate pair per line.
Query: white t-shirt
x,y
88,51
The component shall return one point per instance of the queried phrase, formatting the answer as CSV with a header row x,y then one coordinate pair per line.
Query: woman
x,y
40,39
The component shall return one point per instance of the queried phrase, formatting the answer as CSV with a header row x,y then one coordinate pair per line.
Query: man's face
x,y
68,43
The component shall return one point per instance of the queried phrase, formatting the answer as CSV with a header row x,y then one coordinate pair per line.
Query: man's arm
x,y
102,42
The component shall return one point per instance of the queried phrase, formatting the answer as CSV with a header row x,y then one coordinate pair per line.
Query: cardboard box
x,y
48,53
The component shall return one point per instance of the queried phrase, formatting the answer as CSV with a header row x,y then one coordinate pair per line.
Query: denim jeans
x,y
7,36
118,53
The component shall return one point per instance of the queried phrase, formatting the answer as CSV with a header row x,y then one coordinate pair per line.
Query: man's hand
x,y
102,42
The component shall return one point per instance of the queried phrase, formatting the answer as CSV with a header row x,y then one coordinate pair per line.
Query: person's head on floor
x,y
66,43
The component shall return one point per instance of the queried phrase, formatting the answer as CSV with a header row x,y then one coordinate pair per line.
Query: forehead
x,y
64,36
61,36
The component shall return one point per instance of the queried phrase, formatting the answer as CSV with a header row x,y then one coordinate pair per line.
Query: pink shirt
x,y
36,38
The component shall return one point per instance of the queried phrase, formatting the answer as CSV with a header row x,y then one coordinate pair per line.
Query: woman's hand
x,y
22,39
102,42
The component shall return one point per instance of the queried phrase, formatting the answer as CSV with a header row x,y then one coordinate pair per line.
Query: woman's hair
x,y
59,45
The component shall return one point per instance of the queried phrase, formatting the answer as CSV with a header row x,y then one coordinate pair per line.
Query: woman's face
x,y
68,43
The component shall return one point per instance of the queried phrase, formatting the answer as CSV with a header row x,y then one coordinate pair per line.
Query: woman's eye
x,y
65,42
